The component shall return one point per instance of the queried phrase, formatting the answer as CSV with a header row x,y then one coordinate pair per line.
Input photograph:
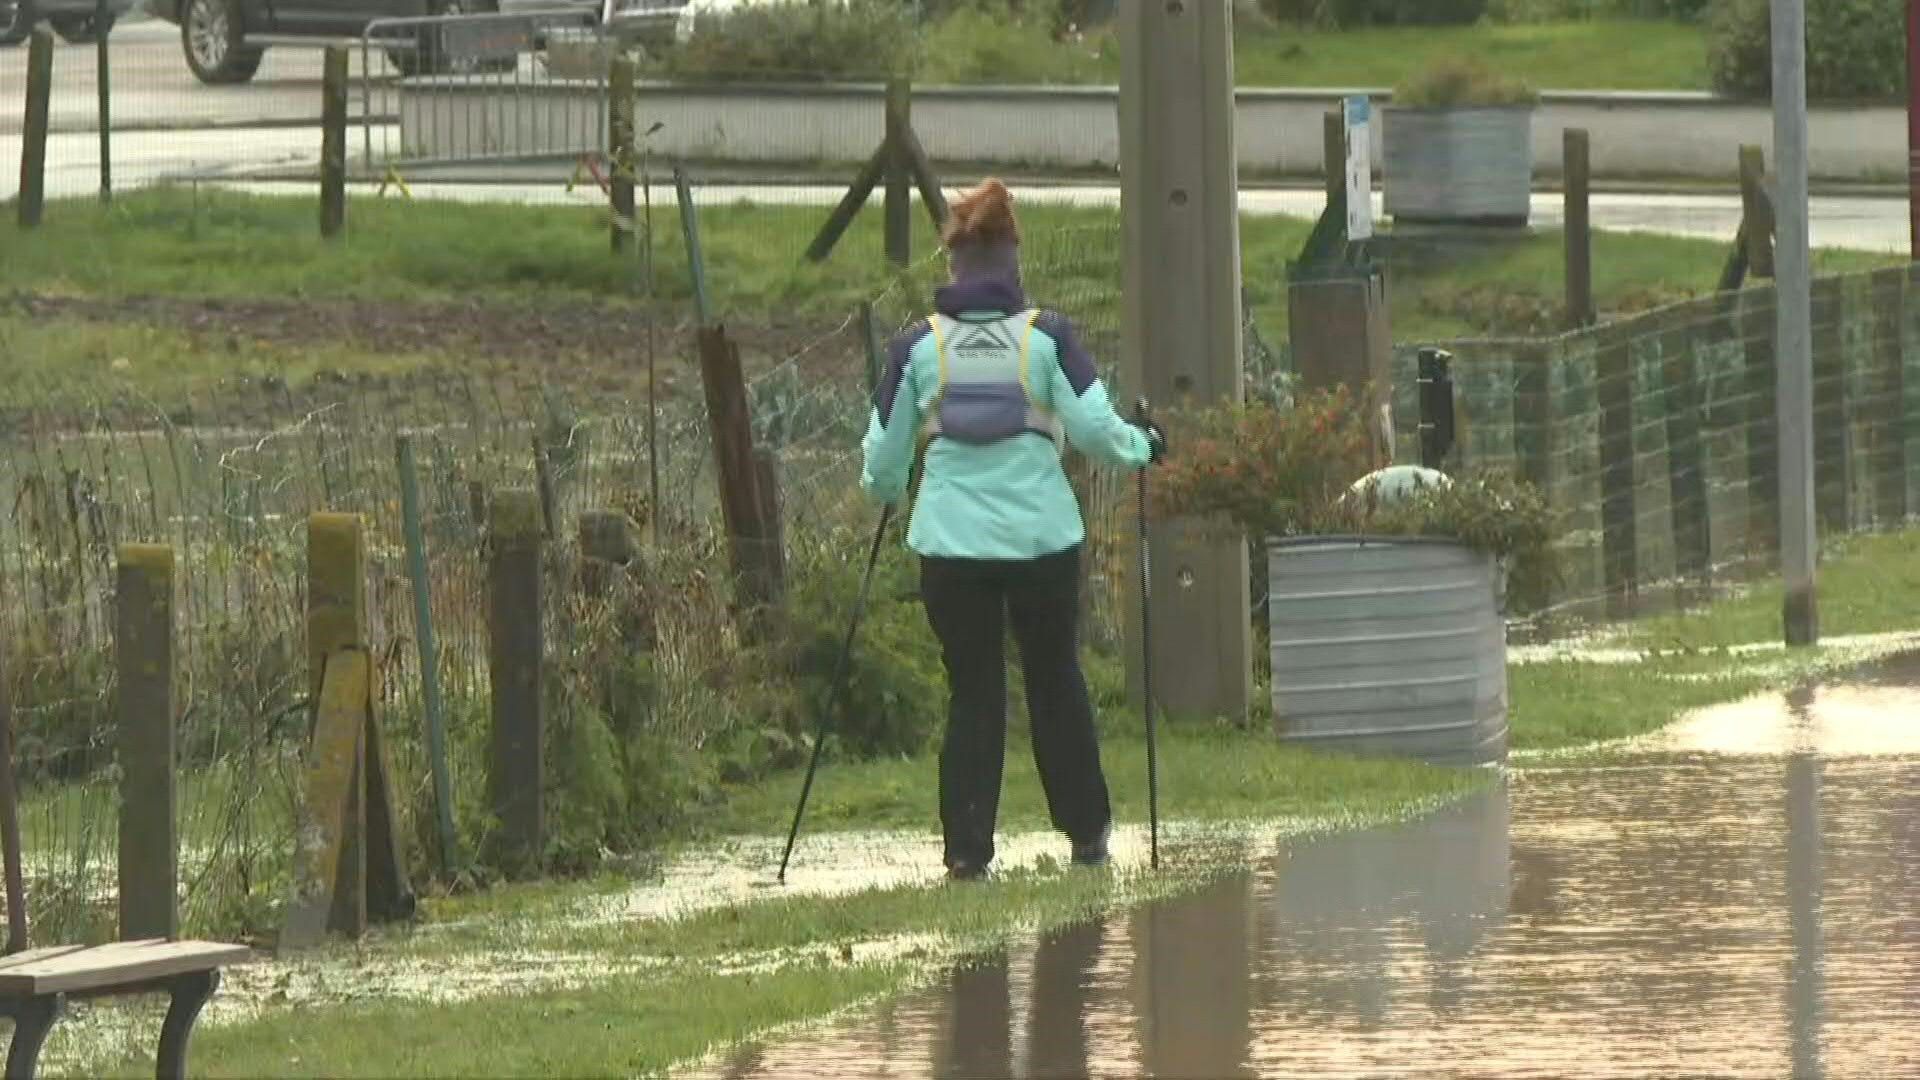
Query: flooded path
x,y
1738,897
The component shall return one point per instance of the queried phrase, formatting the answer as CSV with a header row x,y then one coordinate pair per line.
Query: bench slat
x,y
35,956
123,963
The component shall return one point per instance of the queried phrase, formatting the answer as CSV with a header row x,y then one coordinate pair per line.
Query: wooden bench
x,y
36,984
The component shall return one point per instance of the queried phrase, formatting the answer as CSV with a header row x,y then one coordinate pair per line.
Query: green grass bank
x,y
679,987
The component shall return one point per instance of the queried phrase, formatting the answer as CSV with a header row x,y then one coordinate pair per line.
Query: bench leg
x,y
190,994
32,1019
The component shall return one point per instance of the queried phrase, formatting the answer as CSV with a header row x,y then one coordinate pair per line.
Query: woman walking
x,y
993,387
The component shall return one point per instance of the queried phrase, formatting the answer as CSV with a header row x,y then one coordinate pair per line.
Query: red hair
x,y
983,216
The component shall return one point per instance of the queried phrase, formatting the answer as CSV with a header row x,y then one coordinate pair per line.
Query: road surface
x,y
152,88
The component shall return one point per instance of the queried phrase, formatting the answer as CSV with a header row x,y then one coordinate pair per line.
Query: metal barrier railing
x,y
486,89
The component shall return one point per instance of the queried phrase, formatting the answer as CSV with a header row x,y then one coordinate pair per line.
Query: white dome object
x,y
1399,482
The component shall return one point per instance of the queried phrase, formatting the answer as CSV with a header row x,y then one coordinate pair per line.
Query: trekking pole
x,y
1142,414
838,688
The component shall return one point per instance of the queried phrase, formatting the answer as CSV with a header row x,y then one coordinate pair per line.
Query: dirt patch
x,y
518,354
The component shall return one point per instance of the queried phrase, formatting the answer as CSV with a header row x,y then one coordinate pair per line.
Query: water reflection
x,y
1681,913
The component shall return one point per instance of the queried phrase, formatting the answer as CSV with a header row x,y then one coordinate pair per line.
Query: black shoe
x,y
1091,852
966,871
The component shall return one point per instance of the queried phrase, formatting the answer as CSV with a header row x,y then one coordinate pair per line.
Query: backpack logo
x,y
989,338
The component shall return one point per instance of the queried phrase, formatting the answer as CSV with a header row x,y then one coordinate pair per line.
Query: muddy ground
x,y
584,352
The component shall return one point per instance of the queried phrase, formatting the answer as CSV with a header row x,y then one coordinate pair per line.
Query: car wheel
x,y
16,21
211,34
79,29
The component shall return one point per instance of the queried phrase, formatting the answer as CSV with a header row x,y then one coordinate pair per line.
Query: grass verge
x,y
219,248
1593,54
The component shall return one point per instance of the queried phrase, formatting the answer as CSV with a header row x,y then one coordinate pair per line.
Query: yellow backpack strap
x,y
928,422
1026,349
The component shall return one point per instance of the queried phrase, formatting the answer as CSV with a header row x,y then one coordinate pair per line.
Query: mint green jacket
x,y
1003,500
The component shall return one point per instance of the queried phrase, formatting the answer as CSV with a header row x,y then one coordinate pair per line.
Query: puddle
x,y
1740,897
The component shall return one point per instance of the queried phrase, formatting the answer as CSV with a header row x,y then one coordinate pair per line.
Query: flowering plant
x,y
1271,471
1276,472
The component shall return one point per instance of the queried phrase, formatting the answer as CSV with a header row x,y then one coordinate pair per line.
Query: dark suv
x,y
225,39
76,21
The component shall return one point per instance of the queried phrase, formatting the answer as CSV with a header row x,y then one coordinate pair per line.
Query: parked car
x,y
224,40
73,20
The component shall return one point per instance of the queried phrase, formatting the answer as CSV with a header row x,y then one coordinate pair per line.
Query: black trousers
x,y
970,603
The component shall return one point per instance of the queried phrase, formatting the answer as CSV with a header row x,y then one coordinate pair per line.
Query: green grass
x,y
1589,55
1585,55
620,1026
793,957
1205,775
1867,585
223,246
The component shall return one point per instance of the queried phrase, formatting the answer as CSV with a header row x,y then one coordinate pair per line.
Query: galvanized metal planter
x,y
1459,165
1388,647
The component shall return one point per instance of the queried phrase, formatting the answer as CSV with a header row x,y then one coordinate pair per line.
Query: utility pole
x,y
1793,387
1913,125
1179,199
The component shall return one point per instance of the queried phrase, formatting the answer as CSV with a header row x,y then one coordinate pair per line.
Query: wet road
x,y
1740,899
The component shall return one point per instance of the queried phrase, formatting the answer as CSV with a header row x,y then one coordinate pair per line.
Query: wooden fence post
x,y
333,142
900,172
741,504
1757,211
1576,165
145,709
1762,424
1832,492
33,146
1333,160
1690,512
517,674
620,144
1890,390
1619,537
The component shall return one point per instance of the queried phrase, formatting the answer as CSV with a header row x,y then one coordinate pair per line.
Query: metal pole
x,y
429,652
1793,388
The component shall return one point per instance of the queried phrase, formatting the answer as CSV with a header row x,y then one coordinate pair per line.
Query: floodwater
x,y
1740,897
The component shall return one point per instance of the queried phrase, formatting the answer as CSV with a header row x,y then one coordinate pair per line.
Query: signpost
x,y
1359,113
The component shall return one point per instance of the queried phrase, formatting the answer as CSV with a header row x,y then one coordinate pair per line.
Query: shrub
x,y
793,39
1270,470
1855,48
975,46
896,688
1276,472
1461,81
